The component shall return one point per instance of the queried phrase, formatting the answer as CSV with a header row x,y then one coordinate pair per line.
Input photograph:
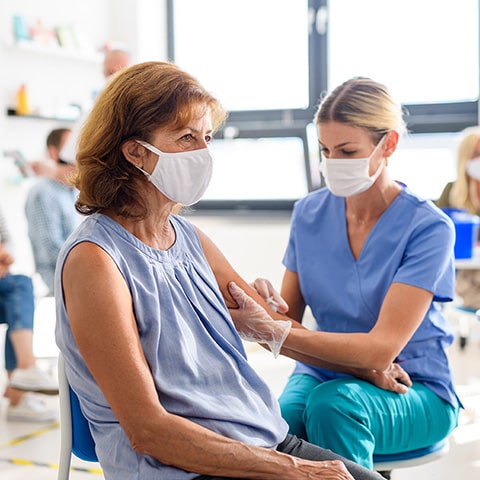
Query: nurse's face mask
x,y
345,177
182,177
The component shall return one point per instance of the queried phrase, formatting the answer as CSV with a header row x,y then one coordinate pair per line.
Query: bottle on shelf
x,y
23,107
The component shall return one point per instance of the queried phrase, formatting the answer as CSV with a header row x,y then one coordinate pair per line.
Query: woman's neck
x,y
155,230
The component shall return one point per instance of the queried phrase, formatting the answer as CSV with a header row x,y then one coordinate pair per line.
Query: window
x,y
425,162
251,54
426,52
269,61
258,169
270,172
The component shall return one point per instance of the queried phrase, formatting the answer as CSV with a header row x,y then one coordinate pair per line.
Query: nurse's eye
x,y
208,138
348,153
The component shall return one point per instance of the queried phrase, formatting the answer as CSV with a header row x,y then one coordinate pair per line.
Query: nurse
x,y
372,261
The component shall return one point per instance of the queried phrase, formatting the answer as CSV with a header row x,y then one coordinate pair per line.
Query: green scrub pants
x,y
357,419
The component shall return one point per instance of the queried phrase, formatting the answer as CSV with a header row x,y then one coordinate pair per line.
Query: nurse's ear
x,y
391,143
134,153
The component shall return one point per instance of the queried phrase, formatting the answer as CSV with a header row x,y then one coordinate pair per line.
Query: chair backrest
x,y
412,458
75,436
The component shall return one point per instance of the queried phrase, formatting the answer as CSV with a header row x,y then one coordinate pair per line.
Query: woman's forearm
x,y
183,444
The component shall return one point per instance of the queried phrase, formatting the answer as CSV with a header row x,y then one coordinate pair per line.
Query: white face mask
x,y
346,177
183,177
473,168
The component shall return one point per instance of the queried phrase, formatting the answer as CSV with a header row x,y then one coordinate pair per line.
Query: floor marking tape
x,y
30,463
28,436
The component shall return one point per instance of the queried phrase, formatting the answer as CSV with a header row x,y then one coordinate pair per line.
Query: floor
x,y
30,451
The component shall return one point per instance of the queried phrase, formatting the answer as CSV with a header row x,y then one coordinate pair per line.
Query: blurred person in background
x,y
464,194
24,377
50,210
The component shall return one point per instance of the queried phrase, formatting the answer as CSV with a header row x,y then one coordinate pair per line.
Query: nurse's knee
x,y
335,401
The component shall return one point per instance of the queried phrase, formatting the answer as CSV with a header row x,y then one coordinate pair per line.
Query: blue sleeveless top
x,y
197,359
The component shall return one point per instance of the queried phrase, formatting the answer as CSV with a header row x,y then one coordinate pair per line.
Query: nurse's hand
x,y
254,324
265,289
395,379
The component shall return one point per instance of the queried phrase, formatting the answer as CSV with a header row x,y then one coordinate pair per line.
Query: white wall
x,y
57,77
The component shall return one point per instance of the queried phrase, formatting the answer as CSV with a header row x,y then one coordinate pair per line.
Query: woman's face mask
x,y
473,168
182,177
346,177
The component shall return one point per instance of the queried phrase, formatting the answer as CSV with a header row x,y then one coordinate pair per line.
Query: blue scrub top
x,y
411,243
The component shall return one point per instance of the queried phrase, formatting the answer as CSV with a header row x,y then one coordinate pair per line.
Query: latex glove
x,y
265,289
254,324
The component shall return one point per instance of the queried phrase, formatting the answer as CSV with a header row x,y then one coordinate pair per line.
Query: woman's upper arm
x,y
99,306
225,273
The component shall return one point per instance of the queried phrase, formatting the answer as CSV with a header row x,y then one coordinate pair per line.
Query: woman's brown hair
x,y
138,101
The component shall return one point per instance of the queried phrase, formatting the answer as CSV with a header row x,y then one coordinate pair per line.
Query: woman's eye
x,y
208,138
187,137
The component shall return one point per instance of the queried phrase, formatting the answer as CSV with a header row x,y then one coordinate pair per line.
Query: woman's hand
x,y
5,260
326,470
265,289
254,324
395,379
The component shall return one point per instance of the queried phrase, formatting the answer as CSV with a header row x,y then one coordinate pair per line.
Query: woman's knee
x,y
17,284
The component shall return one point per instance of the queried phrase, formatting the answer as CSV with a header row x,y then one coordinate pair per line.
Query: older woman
x,y
149,345
371,260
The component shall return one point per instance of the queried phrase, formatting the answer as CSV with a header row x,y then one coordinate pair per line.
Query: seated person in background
x,y
24,376
149,346
371,260
50,210
464,193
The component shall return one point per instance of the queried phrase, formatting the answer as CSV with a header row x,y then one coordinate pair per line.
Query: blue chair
x,y
75,436
413,458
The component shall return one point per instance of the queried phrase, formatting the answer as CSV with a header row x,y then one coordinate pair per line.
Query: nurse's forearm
x,y
338,351
394,378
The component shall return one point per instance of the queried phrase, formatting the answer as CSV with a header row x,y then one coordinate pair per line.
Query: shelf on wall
x,y
12,113
61,52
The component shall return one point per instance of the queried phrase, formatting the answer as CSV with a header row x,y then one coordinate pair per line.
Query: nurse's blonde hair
x,y
362,102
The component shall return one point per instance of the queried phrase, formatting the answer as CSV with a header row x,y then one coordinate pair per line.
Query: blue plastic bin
x,y
466,231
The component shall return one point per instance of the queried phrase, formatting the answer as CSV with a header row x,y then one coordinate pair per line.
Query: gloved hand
x,y
254,324
265,289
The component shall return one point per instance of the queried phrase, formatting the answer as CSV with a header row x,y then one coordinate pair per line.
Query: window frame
x,y
446,117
